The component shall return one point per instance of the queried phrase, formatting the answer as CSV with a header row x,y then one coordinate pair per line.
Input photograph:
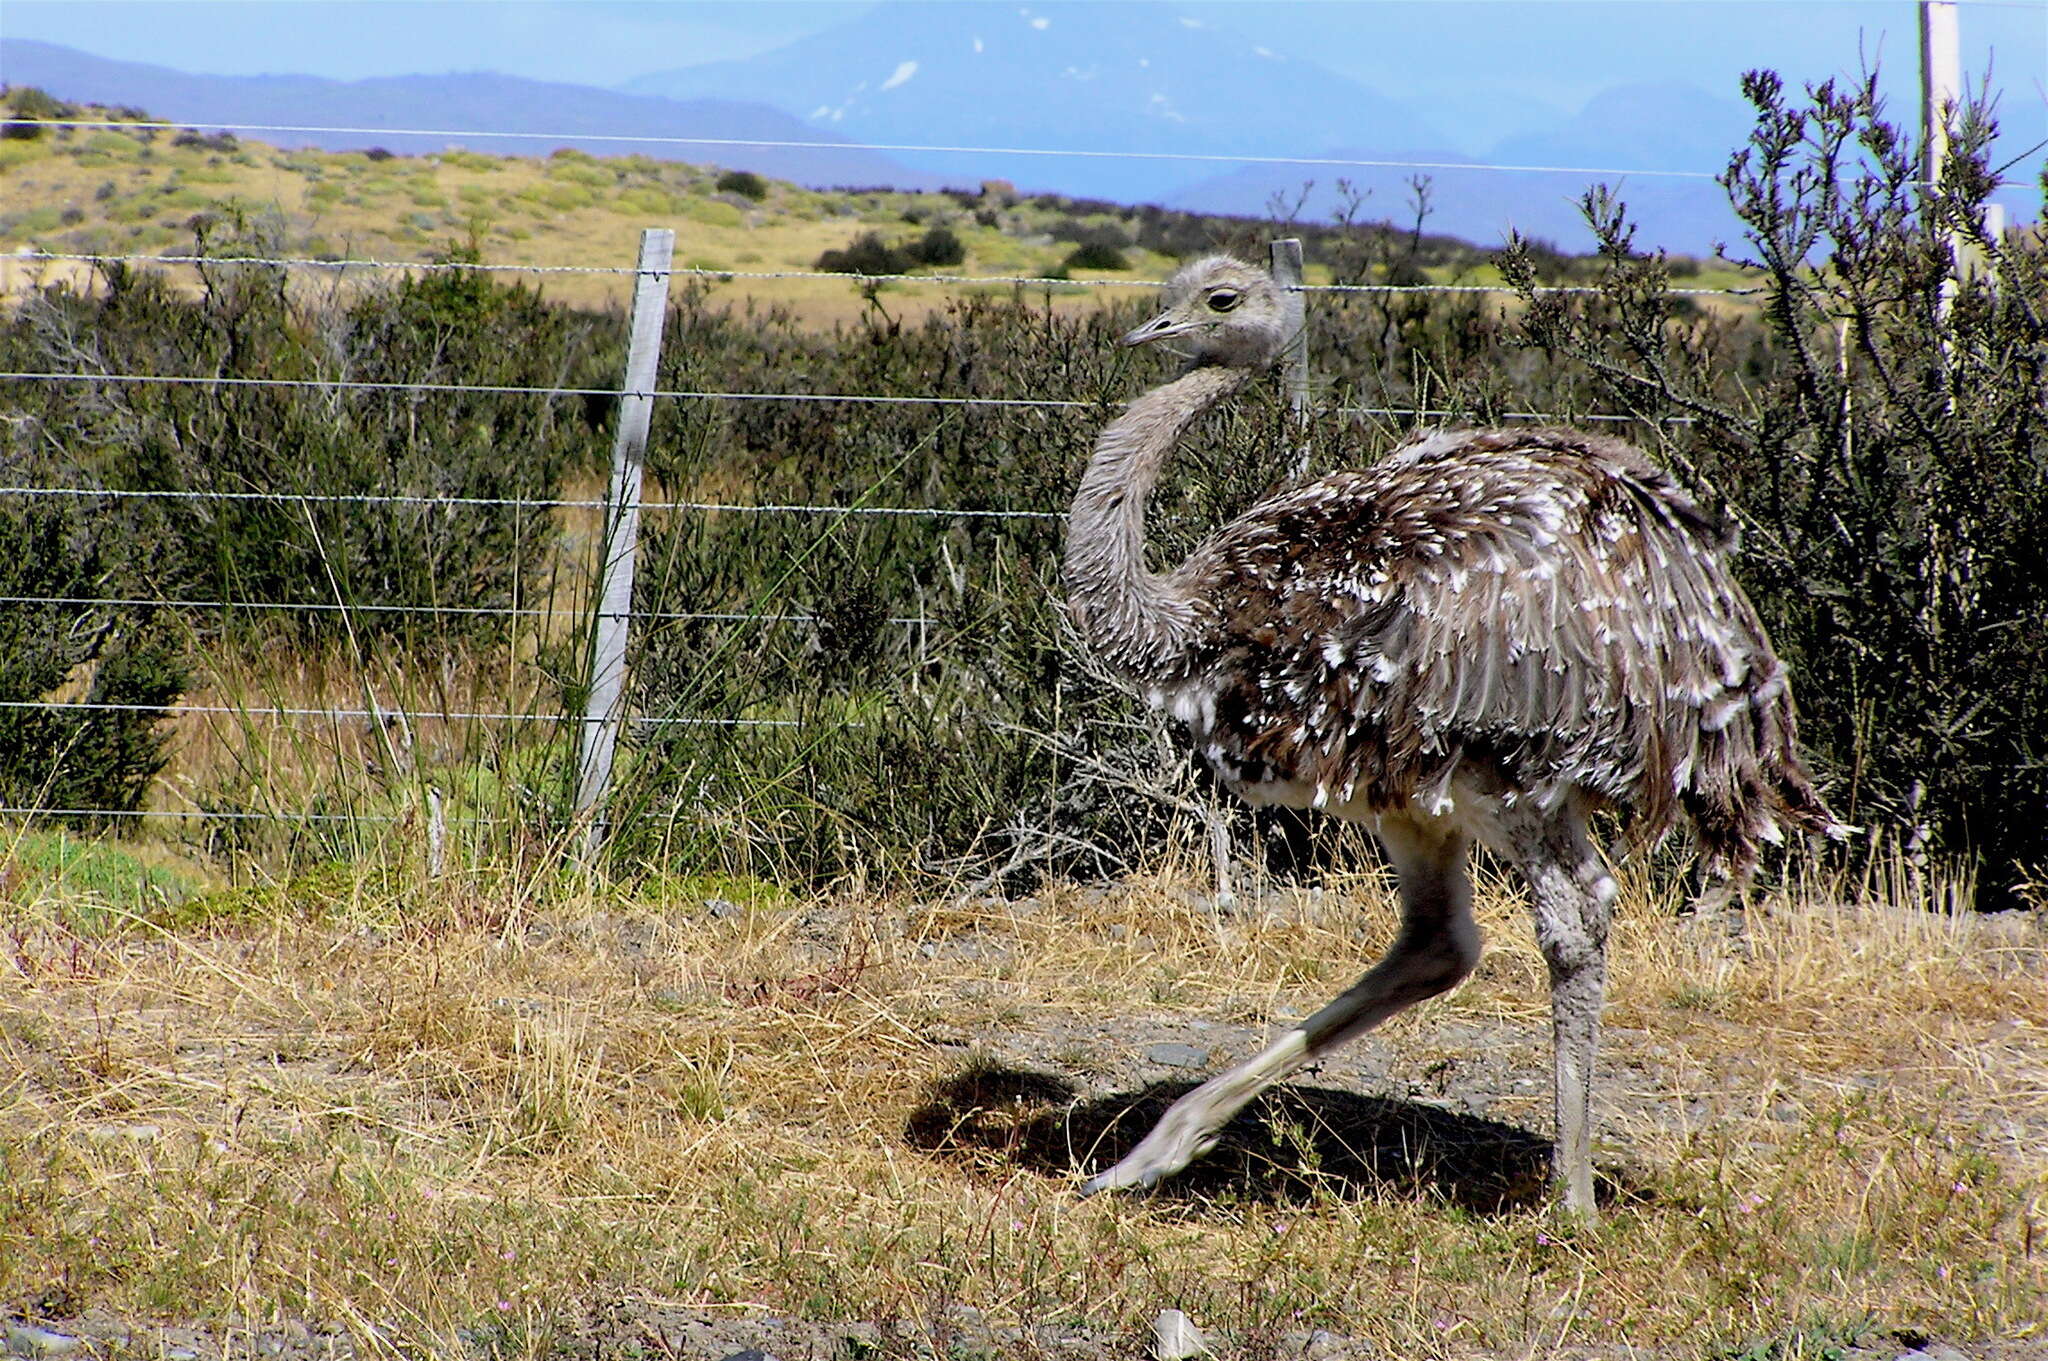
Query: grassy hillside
x,y
147,187
140,188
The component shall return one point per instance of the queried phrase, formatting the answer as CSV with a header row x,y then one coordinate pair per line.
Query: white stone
x,y
1176,1338
26,1341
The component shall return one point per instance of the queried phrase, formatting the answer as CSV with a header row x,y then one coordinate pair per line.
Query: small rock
x,y
1176,1338
181,1354
1322,1345
27,1341
719,909
1941,1351
1176,1055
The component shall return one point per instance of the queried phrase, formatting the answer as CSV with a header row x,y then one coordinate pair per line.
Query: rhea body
x,y
1486,636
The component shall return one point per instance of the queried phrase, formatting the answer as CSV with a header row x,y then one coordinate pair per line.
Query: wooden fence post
x,y
1286,270
604,705
1941,85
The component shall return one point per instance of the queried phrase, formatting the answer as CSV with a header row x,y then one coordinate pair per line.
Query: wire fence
x,y
216,714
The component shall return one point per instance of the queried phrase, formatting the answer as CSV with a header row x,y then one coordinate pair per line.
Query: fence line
x,y
296,498
512,390
1184,157
498,611
872,399
225,815
635,388
377,715
704,272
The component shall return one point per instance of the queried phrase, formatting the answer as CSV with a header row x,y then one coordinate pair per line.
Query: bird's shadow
x,y
1291,1145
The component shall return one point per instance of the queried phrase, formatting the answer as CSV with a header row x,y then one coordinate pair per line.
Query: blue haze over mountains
x,y
1107,77
1111,76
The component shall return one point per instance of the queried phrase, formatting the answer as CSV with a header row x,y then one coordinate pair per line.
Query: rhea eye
x,y
1223,299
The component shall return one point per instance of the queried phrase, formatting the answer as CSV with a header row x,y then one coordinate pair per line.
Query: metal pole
x,y
605,703
1286,269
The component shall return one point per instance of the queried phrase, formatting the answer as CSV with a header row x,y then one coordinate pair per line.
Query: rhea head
x,y
1231,313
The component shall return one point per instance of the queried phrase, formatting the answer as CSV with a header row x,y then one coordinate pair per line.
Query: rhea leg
x,y
1572,898
1438,945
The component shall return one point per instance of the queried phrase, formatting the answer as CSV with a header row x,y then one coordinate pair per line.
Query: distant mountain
x,y
565,115
1083,75
1627,128
1099,76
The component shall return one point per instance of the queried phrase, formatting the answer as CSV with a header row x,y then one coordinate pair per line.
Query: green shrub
x,y
455,327
744,183
1096,255
712,213
129,658
1880,436
649,200
589,174
865,254
939,246
32,107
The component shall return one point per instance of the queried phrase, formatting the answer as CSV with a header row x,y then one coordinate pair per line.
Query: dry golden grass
x,y
483,1105
134,191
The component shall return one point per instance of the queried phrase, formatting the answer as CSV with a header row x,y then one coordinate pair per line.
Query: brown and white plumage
x,y
1485,635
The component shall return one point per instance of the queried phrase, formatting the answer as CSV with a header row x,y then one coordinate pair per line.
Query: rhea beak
x,y
1159,328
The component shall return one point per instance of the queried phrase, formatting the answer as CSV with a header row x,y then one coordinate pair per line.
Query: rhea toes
x,y
1485,636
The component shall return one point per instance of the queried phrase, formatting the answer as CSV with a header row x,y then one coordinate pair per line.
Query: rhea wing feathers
x,y
1545,602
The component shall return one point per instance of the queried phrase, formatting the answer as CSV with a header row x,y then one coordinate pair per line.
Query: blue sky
x,y
1557,51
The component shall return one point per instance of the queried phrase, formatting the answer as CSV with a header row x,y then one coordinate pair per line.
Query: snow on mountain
x,y
559,114
1084,76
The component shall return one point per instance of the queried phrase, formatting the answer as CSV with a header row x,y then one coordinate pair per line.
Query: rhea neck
x,y
1133,618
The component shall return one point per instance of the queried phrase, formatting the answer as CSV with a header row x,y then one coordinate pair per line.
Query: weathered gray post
x,y
605,701
1286,271
1941,85
1941,82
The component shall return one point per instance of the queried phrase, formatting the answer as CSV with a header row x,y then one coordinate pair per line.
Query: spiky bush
x,y
1881,435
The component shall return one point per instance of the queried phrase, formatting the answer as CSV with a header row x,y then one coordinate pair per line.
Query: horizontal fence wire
x,y
376,715
228,816
371,499
706,272
493,389
1195,157
512,390
503,611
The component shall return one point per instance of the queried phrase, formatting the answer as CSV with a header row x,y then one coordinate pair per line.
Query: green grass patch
x,y
316,893
648,200
712,214
101,881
